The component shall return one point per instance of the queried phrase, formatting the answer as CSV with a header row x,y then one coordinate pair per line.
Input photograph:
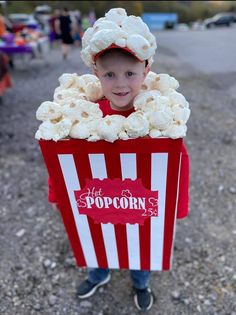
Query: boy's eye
x,y
109,74
130,73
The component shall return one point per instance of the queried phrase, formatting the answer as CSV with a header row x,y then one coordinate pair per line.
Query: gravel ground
x,y
38,274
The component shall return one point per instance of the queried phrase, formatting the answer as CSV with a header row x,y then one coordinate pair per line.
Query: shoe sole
x,y
143,309
90,293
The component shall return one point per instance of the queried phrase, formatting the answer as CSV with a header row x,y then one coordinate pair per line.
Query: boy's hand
x,y
55,207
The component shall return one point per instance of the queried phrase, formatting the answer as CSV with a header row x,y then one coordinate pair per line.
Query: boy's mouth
x,y
121,94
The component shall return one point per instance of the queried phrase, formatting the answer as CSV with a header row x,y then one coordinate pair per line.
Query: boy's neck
x,y
121,109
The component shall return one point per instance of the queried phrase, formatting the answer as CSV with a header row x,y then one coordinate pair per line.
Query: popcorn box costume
x,y
117,182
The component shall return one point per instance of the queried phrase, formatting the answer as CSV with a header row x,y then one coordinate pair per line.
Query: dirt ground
x,y
38,274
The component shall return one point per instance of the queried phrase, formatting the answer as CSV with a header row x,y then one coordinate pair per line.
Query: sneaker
x,y
143,299
87,288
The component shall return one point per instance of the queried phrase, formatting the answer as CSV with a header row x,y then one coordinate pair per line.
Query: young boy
x,y
122,71
121,81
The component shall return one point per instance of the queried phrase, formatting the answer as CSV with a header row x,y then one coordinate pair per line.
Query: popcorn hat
x,y
118,30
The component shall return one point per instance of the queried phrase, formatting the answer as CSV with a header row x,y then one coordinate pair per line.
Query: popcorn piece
x,y
142,99
94,138
49,110
106,25
176,98
123,135
84,129
175,131
160,115
54,131
140,46
60,95
86,56
155,133
136,125
67,80
90,85
116,15
181,114
82,110
110,126
104,38
134,25
94,91
164,82
122,42
87,36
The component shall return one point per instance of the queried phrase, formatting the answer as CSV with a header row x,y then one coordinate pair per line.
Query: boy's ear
x,y
95,70
146,70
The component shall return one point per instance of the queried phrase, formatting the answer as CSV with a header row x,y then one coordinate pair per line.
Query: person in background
x,y
92,17
64,28
54,35
85,23
77,22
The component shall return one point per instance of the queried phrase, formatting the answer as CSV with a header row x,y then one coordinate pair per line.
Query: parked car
x,y
221,19
21,20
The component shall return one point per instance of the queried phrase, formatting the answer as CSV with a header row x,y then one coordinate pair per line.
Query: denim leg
x,y
96,275
140,278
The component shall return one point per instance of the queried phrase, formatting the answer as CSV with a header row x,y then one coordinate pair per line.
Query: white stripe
x,y
109,237
128,165
98,168
72,183
158,182
129,170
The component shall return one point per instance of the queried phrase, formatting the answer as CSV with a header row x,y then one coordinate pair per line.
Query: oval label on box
x,y
117,201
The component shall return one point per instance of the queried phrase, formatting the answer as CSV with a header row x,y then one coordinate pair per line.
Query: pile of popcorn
x,y
117,28
160,111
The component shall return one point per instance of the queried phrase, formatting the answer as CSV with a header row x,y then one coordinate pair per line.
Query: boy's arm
x,y
52,198
183,200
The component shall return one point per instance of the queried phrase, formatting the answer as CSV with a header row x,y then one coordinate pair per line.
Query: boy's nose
x,y
121,82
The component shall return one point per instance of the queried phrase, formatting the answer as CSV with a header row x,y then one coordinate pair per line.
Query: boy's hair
x,y
120,51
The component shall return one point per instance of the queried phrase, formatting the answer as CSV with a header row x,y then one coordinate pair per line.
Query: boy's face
x,y
121,78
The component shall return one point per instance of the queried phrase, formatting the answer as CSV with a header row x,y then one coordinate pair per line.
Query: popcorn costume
x,y
79,111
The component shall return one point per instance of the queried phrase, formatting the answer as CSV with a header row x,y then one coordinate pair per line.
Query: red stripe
x,y
98,243
49,150
84,172
113,165
171,191
144,172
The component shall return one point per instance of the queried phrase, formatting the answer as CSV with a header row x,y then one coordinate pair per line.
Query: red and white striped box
x,y
118,200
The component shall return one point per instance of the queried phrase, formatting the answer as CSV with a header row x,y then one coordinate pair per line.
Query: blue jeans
x,y
140,278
